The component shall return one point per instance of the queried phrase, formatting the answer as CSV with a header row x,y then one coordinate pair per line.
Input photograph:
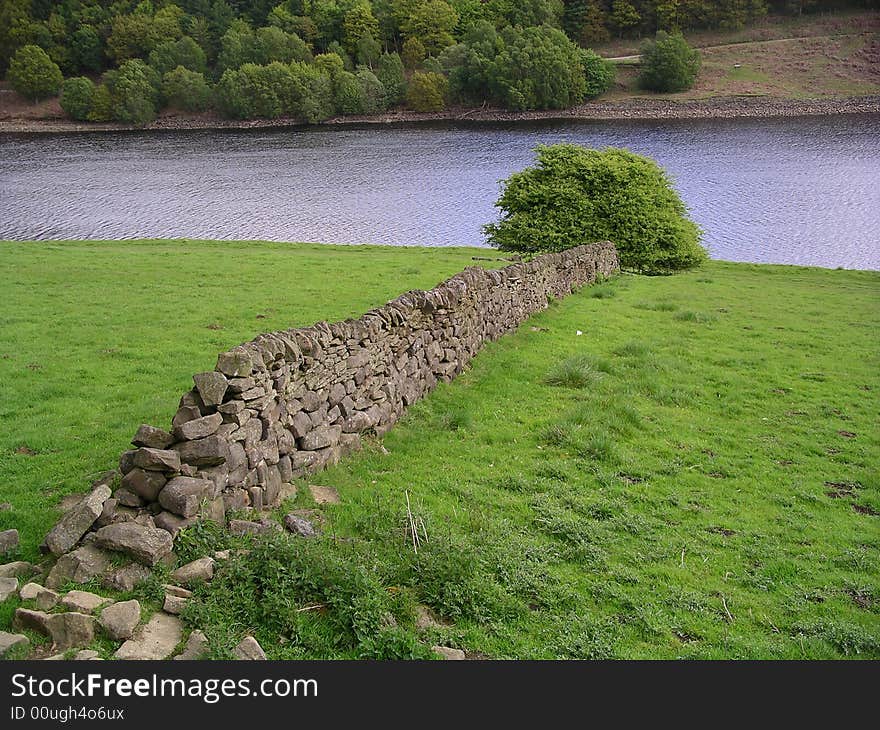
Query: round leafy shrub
x,y
186,90
668,64
427,91
33,74
134,88
598,72
76,97
576,195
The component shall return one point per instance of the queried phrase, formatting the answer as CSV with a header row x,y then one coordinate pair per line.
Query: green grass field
x,y
695,475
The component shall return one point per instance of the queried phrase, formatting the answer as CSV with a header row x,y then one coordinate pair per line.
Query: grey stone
x,y
26,618
196,647
185,414
300,424
249,649
12,641
8,587
248,527
110,513
147,545
73,525
177,591
447,652
156,459
310,401
152,437
121,619
211,386
321,437
208,451
235,363
285,469
44,598
83,601
357,422
324,495
126,498
79,566
126,577
70,630
155,640
299,525
198,570
16,569
126,461
171,522
199,427
183,495
145,484
87,655
174,604
8,540
214,510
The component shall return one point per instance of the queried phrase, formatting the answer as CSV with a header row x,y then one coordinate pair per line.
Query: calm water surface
x,y
799,191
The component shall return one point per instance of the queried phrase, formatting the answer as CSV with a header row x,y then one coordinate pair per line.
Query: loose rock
x,y
121,619
147,545
154,438
9,642
198,570
8,587
126,577
17,569
83,601
196,647
249,649
70,528
183,495
447,652
71,630
299,525
174,604
8,540
156,459
79,566
156,639
324,495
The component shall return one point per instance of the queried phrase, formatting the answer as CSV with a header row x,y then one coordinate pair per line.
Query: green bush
x,y
87,49
668,64
576,195
33,74
349,94
373,92
184,52
389,71
187,90
101,109
76,97
134,89
598,72
427,91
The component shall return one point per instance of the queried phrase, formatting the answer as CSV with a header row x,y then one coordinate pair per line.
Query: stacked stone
x,y
289,403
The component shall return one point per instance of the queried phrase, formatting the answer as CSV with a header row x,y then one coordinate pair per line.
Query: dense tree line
x,y
311,59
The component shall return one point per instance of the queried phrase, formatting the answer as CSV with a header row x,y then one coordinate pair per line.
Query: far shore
x,y
641,108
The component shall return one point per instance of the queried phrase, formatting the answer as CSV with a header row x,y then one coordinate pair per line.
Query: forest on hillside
x,y
312,59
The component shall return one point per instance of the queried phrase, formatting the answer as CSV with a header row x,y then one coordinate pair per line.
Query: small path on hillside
x,y
638,56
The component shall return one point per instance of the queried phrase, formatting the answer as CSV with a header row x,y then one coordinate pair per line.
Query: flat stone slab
x,y
249,649
8,587
198,570
83,601
447,652
79,566
8,540
324,495
156,639
196,647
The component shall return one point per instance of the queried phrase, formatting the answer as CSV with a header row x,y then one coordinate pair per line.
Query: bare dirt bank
x,y
634,108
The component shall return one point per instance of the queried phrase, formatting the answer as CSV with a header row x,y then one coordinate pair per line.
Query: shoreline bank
x,y
731,107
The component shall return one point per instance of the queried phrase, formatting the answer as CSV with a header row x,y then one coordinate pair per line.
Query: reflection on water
x,y
801,191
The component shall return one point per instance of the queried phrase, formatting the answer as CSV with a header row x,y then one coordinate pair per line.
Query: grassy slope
x,y
710,489
826,56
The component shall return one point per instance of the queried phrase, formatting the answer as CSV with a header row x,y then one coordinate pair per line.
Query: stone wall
x,y
289,403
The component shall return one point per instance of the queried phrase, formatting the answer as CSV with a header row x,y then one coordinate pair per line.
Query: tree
x,y
598,72
33,74
624,16
389,71
373,92
538,68
76,97
135,35
186,89
14,29
576,195
183,52
432,23
470,64
413,52
669,64
427,91
349,94
593,27
368,50
86,49
525,13
359,22
135,92
102,105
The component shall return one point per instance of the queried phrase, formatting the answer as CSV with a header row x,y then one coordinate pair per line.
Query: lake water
x,y
798,191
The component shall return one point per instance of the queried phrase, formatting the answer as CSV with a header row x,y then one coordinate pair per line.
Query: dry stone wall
x,y
289,403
